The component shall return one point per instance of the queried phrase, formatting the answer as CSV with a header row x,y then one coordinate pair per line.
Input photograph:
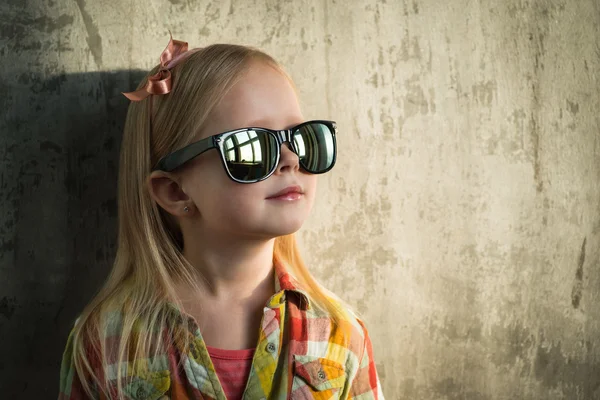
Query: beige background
x,y
463,217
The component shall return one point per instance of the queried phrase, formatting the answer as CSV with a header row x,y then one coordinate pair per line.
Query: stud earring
x,y
186,209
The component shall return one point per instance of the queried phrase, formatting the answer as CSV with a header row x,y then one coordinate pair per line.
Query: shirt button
x,y
321,375
271,348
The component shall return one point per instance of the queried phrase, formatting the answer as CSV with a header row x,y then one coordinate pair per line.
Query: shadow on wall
x,y
59,152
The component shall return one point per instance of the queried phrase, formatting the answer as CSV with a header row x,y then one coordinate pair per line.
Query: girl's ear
x,y
165,189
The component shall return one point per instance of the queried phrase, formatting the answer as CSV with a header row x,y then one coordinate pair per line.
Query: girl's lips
x,y
290,190
290,196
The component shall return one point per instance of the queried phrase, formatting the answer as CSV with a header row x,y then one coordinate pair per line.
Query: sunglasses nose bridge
x,y
285,136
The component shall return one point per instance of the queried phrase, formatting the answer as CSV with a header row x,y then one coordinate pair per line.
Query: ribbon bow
x,y
160,83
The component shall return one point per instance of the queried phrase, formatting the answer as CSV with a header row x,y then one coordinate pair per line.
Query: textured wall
x,y
462,219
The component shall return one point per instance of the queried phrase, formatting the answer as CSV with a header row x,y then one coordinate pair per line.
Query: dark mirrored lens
x,y
250,155
316,147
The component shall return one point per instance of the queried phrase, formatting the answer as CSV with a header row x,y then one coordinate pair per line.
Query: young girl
x,y
208,297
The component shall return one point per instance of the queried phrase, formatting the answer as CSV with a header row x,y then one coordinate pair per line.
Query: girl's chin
x,y
283,229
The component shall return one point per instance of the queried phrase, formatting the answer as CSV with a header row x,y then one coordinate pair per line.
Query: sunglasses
x,y
251,155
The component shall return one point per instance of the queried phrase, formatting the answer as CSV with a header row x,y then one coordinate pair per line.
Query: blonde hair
x,y
149,256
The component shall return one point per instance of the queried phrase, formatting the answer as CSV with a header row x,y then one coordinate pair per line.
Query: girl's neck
x,y
232,270
238,282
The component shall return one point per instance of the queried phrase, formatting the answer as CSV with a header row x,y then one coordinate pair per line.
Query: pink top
x,y
232,368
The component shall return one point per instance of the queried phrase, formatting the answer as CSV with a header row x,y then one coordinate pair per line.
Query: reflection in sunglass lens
x,y
250,155
316,147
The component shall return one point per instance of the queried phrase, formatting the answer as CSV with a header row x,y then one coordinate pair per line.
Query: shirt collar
x,y
285,282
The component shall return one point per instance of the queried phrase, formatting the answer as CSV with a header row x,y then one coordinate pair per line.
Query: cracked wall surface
x,y
462,219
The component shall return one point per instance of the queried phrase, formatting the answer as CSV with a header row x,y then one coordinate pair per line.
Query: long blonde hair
x,y
149,255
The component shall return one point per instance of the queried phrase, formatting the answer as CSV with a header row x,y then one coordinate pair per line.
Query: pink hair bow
x,y
160,83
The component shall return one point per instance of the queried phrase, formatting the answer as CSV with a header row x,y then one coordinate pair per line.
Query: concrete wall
x,y
462,219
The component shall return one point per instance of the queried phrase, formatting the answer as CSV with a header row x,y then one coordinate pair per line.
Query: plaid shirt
x,y
301,354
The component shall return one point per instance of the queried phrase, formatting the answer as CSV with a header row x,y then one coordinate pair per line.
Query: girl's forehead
x,y
263,96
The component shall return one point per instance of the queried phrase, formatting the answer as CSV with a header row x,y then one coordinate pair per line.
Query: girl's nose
x,y
288,160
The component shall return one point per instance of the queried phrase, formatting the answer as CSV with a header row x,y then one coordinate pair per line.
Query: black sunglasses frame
x,y
179,157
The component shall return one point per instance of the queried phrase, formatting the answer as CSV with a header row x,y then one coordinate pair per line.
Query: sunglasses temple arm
x,y
183,155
